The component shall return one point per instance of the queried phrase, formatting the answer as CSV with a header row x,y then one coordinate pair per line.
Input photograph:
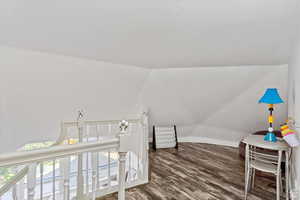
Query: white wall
x,y
213,104
39,90
294,90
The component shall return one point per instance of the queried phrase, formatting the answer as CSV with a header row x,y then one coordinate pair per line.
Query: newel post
x,y
122,161
80,182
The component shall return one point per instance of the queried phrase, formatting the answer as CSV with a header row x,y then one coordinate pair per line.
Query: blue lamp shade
x,y
271,96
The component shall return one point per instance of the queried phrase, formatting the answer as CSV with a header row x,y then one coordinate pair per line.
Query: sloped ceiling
x,y
152,33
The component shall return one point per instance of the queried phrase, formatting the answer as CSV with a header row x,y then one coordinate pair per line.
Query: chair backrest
x,y
264,156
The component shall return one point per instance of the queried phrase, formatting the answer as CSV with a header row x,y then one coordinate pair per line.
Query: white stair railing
x,y
87,169
136,159
33,158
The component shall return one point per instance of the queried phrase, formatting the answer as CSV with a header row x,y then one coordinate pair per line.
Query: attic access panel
x,y
165,137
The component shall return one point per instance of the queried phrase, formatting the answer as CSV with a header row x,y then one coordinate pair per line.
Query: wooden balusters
x,y
54,179
129,172
14,192
20,189
87,173
97,157
87,163
94,174
31,181
80,178
109,158
108,169
41,179
65,166
61,173
15,187
144,160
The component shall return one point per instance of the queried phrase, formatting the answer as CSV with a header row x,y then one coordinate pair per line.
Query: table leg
x,y
287,174
246,170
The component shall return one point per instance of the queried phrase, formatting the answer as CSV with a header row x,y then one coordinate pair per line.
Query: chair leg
x,y
247,177
250,179
278,187
253,179
281,185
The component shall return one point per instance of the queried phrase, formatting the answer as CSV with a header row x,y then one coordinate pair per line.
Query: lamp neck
x,y
271,107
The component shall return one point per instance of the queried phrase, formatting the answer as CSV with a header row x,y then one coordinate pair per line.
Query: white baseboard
x,y
206,141
209,141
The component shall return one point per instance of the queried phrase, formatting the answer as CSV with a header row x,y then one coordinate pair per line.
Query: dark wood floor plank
x,y
198,172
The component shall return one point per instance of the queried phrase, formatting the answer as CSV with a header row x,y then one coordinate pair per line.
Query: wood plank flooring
x,y
198,172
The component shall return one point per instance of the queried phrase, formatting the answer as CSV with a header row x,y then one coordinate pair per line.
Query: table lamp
x,y
271,97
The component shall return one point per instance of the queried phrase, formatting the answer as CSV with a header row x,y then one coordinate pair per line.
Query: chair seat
x,y
265,167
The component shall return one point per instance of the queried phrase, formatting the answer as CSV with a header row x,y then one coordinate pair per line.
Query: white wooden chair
x,y
265,162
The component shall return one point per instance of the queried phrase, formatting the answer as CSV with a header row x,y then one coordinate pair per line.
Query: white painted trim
x,y
14,180
206,140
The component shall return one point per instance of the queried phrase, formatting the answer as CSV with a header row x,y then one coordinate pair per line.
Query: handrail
x,y
66,124
91,122
11,182
18,158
